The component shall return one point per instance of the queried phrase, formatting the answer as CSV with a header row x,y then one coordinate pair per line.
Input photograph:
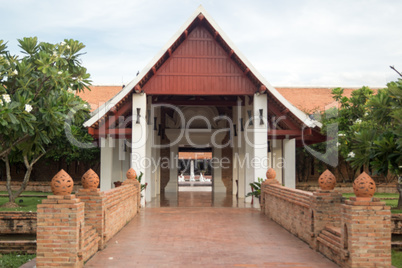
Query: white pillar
x,y
158,153
192,177
155,153
172,186
106,166
218,185
249,148
276,159
289,169
260,148
241,150
139,137
236,121
148,152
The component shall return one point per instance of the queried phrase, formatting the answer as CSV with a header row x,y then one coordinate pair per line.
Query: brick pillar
x,y
264,187
325,210
138,187
95,205
60,227
366,233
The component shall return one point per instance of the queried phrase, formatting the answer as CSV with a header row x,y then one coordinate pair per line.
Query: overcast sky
x,y
291,43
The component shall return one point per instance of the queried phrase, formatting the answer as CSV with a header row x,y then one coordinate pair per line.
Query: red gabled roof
x,y
224,71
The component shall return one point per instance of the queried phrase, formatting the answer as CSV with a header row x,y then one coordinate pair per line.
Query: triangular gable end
x,y
200,66
243,70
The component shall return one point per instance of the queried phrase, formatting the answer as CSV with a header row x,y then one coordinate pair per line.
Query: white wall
x,y
260,136
106,165
289,153
139,137
275,158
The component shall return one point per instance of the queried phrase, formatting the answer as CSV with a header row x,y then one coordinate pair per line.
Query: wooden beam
x,y
185,34
275,110
137,89
198,102
201,93
114,132
111,120
284,132
290,133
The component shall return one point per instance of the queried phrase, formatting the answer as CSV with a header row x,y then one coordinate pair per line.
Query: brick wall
x,y
13,246
352,234
60,231
366,233
120,207
95,207
17,222
72,228
296,204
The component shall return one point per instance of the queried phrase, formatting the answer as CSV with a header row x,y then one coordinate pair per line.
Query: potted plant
x,y
256,189
143,186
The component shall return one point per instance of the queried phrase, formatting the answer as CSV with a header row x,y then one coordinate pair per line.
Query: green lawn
x,y
15,260
379,195
28,204
397,259
27,193
392,203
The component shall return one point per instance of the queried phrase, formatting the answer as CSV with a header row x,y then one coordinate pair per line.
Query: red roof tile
x,y
98,95
305,99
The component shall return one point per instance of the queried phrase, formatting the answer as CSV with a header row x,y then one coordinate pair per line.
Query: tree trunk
x,y
12,196
8,182
399,188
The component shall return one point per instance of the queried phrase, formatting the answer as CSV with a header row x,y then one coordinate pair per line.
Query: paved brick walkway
x,y
205,237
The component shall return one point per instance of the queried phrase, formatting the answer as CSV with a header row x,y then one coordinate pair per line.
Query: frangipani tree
x,y
36,97
344,117
377,139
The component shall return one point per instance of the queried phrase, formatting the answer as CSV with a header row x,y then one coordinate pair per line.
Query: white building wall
x,y
249,150
106,165
241,150
235,174
289,153
260,136
139,137
275,158
218,184
149,191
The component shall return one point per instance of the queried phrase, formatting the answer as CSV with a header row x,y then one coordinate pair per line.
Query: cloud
x,y
290,42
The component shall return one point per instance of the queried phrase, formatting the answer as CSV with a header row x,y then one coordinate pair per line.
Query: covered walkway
x,y
205,237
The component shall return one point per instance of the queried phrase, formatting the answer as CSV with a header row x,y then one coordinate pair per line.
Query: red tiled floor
x,y
205,237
